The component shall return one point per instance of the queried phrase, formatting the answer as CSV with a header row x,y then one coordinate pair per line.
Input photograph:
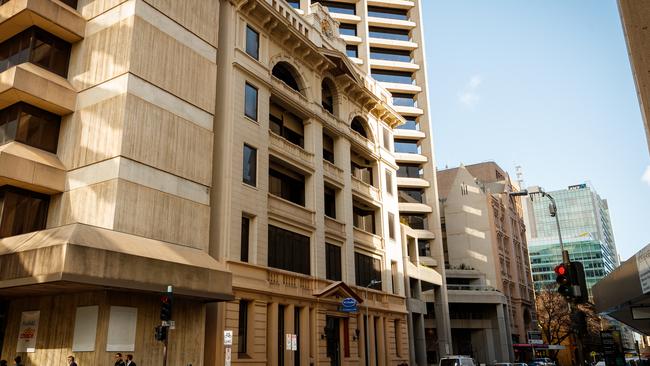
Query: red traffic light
x,y
164,299
560,270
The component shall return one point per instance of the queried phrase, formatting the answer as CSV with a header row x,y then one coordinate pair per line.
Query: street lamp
x,y
371,284
553,211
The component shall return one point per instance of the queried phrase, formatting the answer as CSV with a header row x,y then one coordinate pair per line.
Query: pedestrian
x,y
18,361
119,361
129,360
3,362
71,361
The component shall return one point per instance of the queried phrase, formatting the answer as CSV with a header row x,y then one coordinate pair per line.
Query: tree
x,y
553,317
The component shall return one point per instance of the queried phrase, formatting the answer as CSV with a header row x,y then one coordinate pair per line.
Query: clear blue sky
x,y
546,85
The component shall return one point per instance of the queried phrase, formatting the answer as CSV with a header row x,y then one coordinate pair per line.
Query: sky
x,y
546,85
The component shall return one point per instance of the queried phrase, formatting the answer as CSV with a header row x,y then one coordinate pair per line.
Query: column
x,y
371,340
443,326
305,336
505,341
420,340
289,313
272,334
316,192
382,349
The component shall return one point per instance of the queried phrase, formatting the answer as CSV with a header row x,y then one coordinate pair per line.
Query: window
x,y
389,33
364,219
333,262
409,171
389,182
418,222
336,7
328,148
387,76
330,202
250,99
36,46
410,124
357,126
386,54
406,146
404,100
287,184
22,211
352,50
397,337
366,270
362,172
390,13
29,125
386,138
288,250
245,238
286,124
391,225
348,29
242,334
252,43
250,165
287,74
327,98
394,277
411,195
294,3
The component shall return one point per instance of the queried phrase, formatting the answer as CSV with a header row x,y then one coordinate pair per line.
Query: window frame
x,y
256,51
253,181
250,87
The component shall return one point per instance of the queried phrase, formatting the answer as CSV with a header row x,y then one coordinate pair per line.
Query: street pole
x,y
565,254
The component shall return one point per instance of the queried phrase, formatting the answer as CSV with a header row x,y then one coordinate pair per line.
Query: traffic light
x,y
160,333
166,301
563,273
580,291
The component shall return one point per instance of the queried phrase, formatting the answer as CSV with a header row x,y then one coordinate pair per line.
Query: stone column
x,y
420,339
305,336
382,350
314,144
504,341
272,334
371,339
289,314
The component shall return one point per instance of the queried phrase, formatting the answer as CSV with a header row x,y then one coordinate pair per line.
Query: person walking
x,y
119,361
3,362
129,360
71,361
18,361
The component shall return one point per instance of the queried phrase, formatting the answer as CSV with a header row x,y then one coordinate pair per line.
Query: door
x,y
333,340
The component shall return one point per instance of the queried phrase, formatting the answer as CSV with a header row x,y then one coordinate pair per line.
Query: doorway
x,y
332,335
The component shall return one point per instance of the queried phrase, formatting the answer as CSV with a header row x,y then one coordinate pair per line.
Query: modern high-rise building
x,y
586,232
489,282
385,39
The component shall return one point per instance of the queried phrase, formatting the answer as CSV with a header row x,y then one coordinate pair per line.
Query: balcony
x,y
409,134
290,152
31,168
367,239
423,273
333,172
391,23
475,294
286,210
407,182
413,207
394,65
365,190
361,141
409,111
401,88
334,227
401,4
41,88
51,16
410,158
393,44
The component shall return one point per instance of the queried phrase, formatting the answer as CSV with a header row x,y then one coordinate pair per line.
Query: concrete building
x,y
586,231
106,126
385,39
491,297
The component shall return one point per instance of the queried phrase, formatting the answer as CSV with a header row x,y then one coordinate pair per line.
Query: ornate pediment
x,y
338,291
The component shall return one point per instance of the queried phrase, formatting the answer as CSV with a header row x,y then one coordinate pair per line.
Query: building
x,y
489,282
385,39
106,121
586,232
635,17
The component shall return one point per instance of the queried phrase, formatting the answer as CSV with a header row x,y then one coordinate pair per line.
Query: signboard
x,y
227,337
349,305
228,356
643,265
27,331
288,336
535,337
294,342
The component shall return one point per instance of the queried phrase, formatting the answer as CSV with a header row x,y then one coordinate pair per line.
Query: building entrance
x,y
332,335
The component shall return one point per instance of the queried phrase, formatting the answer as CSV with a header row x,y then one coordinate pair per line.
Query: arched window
x,y
358,126
327,96
287,74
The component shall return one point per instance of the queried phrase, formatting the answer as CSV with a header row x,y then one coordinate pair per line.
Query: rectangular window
x,y
418,222
294,3
409,171
250,100
242,329
245,237
391,225
398,337
38,47
411,195
394,277
29,125
387,54
404,100
364,219
337,7
389,182
411,124
363,173
352,50
348,29
333,262
286,124
389,33
250,165
406,146
390,13
21,211
386,139
252,43
328,148
287,184
330,202
387,76
288,250
367,269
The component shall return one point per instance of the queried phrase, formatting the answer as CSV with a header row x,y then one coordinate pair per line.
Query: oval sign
x,y
349,302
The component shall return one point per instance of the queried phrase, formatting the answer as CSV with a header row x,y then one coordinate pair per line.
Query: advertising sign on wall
x,y
27,331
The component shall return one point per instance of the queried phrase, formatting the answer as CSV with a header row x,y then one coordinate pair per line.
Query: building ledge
x,y
414,207
34,85
391,23
84,256
410,158
412,182
52,16
394,65
423,273
400,4
31,168
393,44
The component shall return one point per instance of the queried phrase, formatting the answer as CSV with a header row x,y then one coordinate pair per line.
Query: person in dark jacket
x,y
129,360
71,361
18,361
119,361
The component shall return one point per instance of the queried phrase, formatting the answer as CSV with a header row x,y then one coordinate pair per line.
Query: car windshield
x,y
449,362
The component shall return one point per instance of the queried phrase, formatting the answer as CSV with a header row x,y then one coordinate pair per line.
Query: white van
x,y
457,361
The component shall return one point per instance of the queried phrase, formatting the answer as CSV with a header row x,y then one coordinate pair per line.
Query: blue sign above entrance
x,y
348,305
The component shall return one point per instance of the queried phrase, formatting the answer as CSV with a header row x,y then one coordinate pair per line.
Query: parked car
x,y
457,361
545,361
519,364
504,364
